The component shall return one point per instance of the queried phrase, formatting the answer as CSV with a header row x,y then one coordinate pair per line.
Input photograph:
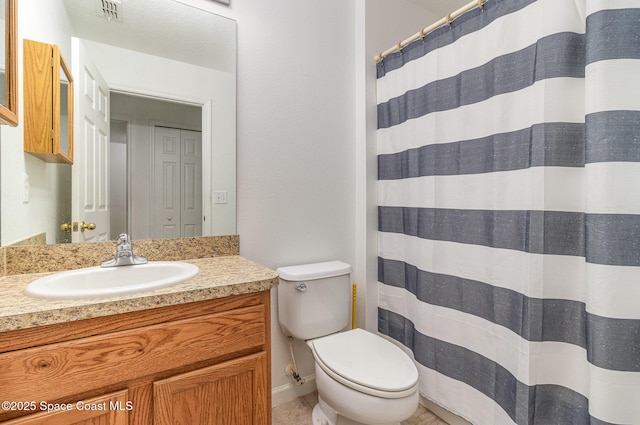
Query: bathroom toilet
x,y
362,378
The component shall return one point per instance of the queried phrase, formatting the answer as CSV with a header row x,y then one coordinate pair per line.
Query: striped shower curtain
x,y
509,211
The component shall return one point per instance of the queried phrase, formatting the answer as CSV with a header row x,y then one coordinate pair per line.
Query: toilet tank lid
x,y
313,271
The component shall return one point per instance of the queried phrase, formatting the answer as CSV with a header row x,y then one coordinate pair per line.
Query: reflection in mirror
x,y
160,196
41,93
8,63
150,55
3,71
64,110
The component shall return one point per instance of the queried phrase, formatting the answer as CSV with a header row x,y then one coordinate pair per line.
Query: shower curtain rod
x,y
444,21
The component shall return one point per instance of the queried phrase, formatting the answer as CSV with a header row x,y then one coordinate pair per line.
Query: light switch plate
x,y
220,197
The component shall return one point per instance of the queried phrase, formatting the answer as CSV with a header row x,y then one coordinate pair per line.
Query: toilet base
x,y
323,414
319,418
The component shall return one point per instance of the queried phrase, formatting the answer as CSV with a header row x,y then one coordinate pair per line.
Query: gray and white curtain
x,y
509,211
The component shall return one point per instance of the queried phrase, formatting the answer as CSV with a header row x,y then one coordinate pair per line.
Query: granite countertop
x,y
219,277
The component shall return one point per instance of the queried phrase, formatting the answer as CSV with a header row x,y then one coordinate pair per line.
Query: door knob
x,y
65,227
84,226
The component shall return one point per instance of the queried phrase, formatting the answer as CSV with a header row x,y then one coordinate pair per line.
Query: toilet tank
x,y
314,299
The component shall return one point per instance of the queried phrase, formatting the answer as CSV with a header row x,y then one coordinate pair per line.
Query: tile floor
x,y
298,412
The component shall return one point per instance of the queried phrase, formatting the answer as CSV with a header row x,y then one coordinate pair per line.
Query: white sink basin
x,y
93,282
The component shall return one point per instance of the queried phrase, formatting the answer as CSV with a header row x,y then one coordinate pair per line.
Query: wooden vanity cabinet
x,y
206,362
94,414
179,399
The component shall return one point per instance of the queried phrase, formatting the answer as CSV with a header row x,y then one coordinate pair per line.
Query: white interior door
x,y
90,175
177,180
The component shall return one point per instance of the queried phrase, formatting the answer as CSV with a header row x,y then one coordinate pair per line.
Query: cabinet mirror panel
x,y
65,108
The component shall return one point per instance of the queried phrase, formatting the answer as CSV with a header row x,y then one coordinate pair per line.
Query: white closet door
x,y
177,171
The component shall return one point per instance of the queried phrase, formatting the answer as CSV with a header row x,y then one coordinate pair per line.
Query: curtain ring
x,y
449,20
423,34
399,47
481,4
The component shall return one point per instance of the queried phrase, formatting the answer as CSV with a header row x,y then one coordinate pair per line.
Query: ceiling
x,y
162,28
440,7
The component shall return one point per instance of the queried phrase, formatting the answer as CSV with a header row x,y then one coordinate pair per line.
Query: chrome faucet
x,y
124,254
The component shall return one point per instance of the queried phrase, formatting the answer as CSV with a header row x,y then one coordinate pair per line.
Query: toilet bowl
x,y
362,379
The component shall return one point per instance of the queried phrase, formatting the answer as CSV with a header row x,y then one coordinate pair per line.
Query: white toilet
x,y
362,379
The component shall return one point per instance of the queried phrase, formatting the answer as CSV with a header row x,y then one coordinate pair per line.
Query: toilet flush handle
x,y
302,287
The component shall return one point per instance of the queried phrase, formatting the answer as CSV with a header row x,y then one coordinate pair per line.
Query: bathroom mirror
x,y
8,64
174,51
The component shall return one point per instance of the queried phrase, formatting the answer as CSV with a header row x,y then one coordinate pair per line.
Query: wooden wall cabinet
x,y
48,103
204,362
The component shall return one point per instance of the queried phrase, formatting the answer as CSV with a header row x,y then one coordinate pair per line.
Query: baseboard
x,y
447,416
288,392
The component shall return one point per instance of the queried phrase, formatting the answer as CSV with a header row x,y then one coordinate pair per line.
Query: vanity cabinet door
x,y
233,392
110,409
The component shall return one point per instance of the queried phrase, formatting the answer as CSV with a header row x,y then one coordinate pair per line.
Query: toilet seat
x,y
367,363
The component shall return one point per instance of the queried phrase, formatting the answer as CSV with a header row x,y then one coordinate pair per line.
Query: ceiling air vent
x,y
109,9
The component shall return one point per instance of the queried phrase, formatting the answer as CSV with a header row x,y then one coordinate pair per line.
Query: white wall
x,y
306,140
296,129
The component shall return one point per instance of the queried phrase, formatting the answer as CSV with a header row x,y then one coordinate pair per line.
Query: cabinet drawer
x,y
61,370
